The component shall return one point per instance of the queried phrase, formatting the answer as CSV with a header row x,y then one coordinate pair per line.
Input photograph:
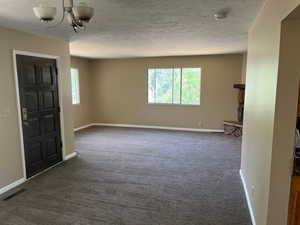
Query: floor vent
x,y
17,192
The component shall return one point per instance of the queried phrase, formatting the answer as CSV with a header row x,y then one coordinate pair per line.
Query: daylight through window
x,y
75,86
174,86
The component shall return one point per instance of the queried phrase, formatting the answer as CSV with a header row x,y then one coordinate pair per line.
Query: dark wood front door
x,y
38,88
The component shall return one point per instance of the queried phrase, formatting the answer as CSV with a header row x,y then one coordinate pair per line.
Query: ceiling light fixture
x,y
77,16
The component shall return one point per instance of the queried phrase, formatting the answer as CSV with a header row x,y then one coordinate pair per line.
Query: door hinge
x,y
59,109
61,144
56,71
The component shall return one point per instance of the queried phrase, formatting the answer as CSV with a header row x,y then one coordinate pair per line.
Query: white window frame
x,y
174,104
77,87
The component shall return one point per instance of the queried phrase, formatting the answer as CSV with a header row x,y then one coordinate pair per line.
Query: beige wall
x,y
10,152
82,112
244,68
120,92
270,113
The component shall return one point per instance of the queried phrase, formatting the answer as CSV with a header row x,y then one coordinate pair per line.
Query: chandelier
x,y
77,15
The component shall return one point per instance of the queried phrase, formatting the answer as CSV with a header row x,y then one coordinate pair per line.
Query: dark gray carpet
x,y
137,177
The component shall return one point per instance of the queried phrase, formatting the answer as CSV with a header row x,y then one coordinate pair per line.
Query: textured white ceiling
x,y
137,28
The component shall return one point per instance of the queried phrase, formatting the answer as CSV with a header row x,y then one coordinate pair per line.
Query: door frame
x,y
59,81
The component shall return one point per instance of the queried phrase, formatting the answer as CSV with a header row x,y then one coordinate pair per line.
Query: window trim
x,y
78,94
172,104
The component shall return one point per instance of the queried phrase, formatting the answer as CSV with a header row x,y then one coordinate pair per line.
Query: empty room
x,y
126,112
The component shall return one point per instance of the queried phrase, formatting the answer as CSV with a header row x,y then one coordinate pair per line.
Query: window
x,y
174,86
75,86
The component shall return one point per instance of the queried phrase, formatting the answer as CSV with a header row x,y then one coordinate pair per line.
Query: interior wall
x,y
285,118
11,168
120,92
244,68
270,110
82,112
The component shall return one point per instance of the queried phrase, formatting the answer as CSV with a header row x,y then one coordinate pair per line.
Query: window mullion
x,y
180,85
173,86
155,75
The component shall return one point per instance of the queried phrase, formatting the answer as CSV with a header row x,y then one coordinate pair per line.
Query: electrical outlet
x,y
200,124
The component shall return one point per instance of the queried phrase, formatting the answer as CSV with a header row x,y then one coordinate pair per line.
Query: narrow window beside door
x,y
174,86
75,86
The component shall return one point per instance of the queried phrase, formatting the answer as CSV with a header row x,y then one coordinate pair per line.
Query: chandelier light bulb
x,y
45,13
83,13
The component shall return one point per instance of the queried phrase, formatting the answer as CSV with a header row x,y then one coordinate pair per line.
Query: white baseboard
x,y
156,127
248,198
22,180
70,156
83,127
12,185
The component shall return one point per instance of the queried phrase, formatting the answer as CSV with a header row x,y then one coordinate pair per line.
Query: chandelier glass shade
x,y
77,15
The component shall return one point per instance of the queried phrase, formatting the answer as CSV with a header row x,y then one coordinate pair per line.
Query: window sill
x,y
169,104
